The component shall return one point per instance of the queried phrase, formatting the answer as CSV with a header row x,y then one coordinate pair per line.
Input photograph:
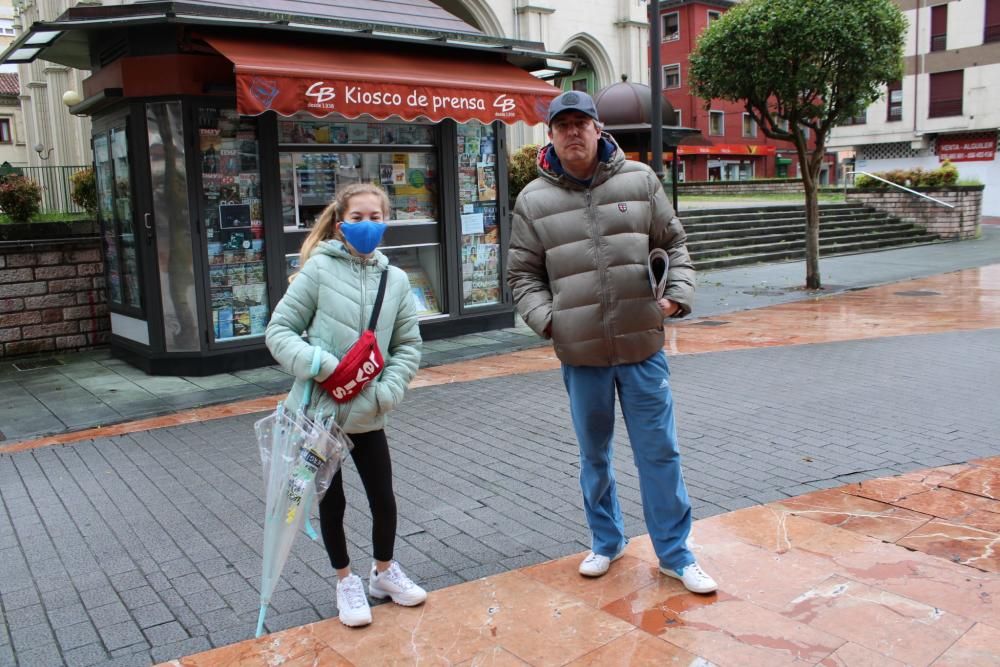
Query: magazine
x,y
423,293
225,322
241,322
258,320
487,182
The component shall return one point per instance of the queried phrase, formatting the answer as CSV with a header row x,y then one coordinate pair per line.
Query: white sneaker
x,y
352,603
595,565
393,583
693,577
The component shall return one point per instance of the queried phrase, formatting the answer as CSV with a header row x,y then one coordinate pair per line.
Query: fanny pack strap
x,y
378,300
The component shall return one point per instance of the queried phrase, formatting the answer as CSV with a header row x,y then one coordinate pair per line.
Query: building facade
x,y
732,147
609,37
945,107
54,137
13,150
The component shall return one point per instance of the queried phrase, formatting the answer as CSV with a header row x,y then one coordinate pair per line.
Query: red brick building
x,y
733,147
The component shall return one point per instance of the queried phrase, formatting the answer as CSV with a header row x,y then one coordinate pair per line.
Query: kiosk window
x,y
114,196
318,156
477,198
234,229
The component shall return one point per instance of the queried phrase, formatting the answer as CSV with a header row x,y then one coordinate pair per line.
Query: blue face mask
x,y
364,236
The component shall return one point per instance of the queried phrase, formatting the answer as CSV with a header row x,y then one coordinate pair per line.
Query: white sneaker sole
x,y
704,590
379,595
355,624
594,575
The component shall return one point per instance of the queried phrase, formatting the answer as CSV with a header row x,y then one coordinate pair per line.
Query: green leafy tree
x,y
521,169
801,64
83,190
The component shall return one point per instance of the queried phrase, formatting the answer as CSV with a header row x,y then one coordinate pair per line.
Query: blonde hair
x,y
326,224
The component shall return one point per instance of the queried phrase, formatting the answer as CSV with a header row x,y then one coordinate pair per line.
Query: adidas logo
x,y
664,384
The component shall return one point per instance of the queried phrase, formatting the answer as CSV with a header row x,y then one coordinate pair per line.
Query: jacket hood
x,y
336,248
610,159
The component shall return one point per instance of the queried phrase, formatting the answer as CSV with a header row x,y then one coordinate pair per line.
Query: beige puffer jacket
x,y
578,257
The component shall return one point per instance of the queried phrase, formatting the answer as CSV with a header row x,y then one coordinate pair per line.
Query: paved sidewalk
x,y
145,547
92,389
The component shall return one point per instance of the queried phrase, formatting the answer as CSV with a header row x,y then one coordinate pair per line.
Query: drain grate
x,y
35,364
709,323
918,292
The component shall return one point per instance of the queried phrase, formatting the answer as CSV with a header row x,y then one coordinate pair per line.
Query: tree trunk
x,y
809,184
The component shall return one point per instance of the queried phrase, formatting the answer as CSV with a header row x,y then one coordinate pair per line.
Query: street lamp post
x,y
656,90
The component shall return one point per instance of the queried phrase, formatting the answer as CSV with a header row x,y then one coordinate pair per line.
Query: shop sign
x,y
967,148
728,149
288,95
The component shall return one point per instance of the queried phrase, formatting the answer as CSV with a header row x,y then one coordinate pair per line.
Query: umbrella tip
x,y
260,620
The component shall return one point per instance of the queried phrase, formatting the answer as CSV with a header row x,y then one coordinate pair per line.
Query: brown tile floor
x,y
848,576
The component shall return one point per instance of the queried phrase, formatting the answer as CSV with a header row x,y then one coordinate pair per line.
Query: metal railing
x,y
896,185
56,187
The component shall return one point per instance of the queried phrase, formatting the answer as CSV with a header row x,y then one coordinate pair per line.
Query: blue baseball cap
x,y
572,100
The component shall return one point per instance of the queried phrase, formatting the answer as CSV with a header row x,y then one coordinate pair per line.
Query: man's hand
x,y
668,307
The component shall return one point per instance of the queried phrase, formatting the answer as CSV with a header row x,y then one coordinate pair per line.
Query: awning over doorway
x,y
381,81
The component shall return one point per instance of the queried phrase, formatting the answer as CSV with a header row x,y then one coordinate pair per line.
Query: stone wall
x,y
695,188
52,297
961,222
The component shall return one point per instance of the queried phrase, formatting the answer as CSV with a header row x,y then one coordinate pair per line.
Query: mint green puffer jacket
x,y
328,305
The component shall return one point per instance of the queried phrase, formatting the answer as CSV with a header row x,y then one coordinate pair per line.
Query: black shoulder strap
x,y
378,300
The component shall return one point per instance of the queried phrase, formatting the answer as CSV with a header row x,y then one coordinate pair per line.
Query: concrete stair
x,y
720,238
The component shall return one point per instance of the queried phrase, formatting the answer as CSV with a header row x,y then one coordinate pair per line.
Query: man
x,y
582,233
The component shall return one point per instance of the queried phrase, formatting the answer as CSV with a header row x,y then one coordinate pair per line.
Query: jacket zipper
x,y
346,407
602,271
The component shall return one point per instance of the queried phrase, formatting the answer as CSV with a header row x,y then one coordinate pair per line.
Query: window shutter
x,y
946,93
939,27
991,32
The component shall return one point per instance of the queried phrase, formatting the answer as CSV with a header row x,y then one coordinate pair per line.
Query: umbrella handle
x,y
307,392
310,531
307,502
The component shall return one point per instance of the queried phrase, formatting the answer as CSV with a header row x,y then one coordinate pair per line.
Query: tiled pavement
x,y
888,572
92,389
145,547
141,547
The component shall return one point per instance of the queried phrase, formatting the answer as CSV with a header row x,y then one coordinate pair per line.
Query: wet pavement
x,y
91,389
847,576
840,452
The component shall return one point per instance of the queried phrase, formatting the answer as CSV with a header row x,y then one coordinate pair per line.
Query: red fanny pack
x,y
363,362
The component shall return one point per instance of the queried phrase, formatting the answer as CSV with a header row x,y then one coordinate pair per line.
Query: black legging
x,y
371,458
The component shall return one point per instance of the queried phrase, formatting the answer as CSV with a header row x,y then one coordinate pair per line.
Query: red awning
x,y
382,81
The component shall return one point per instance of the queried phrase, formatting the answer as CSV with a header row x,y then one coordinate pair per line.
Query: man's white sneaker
x,y
693,577
352,603
595,565
393,583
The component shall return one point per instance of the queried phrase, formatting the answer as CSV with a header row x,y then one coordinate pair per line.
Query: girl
x,y
331,299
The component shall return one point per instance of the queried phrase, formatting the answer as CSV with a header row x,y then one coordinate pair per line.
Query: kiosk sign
x,y
288,95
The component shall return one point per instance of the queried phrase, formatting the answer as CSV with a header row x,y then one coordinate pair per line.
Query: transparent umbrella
x,y
300,456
